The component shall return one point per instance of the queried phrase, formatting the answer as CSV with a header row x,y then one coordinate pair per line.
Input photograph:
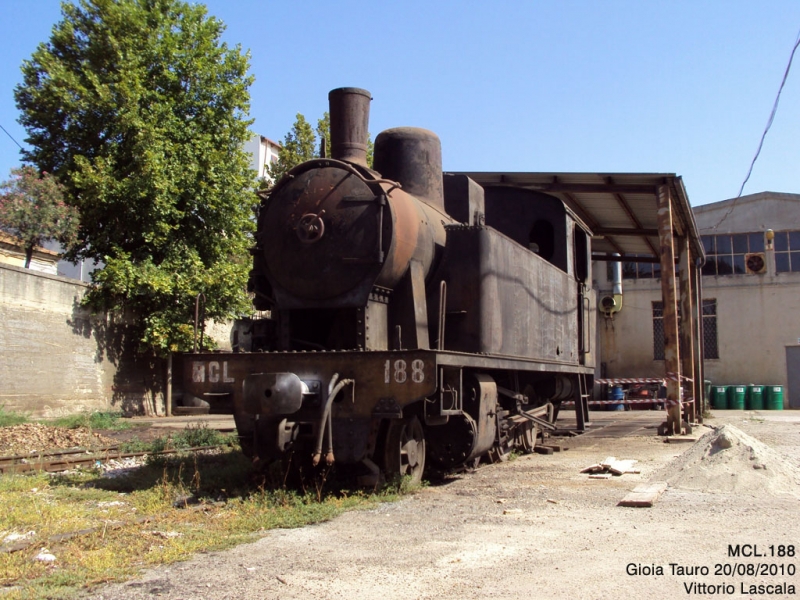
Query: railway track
x,y
55,461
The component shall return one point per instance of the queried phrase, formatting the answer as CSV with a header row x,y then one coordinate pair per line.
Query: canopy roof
x,y
619,209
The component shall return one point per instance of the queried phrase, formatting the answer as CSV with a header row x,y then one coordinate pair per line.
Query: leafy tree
x,y
141,111
32,209
298,146
303,143
324,131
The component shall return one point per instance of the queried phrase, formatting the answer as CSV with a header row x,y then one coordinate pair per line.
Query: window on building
x,y
709,316
710,347
787,251
658,331
641,270
726,253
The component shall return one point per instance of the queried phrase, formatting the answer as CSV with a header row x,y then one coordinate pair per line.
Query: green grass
x,y
9,419
94,420
230,503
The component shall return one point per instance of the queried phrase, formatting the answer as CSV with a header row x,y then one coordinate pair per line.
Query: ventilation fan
x,y
755,263
610,304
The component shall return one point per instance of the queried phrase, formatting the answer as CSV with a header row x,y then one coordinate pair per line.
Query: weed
x,y
120,517
400,486
200,435
191,437
94,420
136,446
8,418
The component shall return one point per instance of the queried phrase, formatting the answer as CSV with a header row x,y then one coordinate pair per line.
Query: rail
x,y
57,461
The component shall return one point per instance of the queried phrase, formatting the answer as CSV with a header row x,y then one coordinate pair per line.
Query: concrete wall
x,y
56,358
625,342
755,323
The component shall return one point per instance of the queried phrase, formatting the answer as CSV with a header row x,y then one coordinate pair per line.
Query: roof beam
x,y
623,258
581,188
579,210
626,207
604,231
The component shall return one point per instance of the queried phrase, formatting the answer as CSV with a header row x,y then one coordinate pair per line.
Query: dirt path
x,y
530,528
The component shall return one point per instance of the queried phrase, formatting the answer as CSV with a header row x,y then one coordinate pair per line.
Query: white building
x,y
263,152
12,253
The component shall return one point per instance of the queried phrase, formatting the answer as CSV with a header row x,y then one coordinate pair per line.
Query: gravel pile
x,y
30,438
728,460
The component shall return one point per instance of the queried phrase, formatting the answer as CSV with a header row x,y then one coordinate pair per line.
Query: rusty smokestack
x,y
349,110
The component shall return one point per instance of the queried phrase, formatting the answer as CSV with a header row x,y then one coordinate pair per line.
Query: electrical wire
x,y
771,115
12,137
766,129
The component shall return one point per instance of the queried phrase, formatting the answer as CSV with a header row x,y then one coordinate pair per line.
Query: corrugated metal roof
x,y
619,209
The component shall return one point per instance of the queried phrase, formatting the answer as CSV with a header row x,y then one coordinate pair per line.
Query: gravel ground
x,y
531,528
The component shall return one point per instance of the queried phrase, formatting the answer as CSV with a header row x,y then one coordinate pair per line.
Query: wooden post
x,y
672,363
688,317
699,353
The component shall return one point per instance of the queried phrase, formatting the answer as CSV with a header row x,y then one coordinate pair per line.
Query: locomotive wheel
x,y
404,453
527,437
498,453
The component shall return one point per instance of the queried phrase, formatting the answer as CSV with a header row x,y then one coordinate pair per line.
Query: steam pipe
x,y
333,389
329,436
616,277
442,312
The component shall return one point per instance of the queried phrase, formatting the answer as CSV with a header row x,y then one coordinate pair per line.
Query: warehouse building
x,y
751,299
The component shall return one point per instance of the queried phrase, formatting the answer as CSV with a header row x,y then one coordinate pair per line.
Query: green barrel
x,y
719,397
736,394
755,397
774,397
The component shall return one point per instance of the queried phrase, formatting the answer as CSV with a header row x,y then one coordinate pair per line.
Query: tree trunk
x,y
28,256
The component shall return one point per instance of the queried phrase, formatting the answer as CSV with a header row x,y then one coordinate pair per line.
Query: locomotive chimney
x,y
413,157
349,111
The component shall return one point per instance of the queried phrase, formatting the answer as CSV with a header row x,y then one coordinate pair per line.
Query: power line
x,y
763,135
772,115
12,138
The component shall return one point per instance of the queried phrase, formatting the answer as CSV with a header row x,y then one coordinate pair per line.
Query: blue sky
x,y
682,87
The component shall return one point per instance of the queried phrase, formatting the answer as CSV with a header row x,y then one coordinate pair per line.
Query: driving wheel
x,y
404,453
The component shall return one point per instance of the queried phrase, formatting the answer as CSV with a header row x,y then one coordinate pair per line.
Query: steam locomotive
x,y
415,317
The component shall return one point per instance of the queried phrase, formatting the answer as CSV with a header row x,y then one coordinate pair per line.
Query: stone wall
x,y
56,358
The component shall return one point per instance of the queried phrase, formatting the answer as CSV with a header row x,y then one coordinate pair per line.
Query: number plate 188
x,y
399,371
